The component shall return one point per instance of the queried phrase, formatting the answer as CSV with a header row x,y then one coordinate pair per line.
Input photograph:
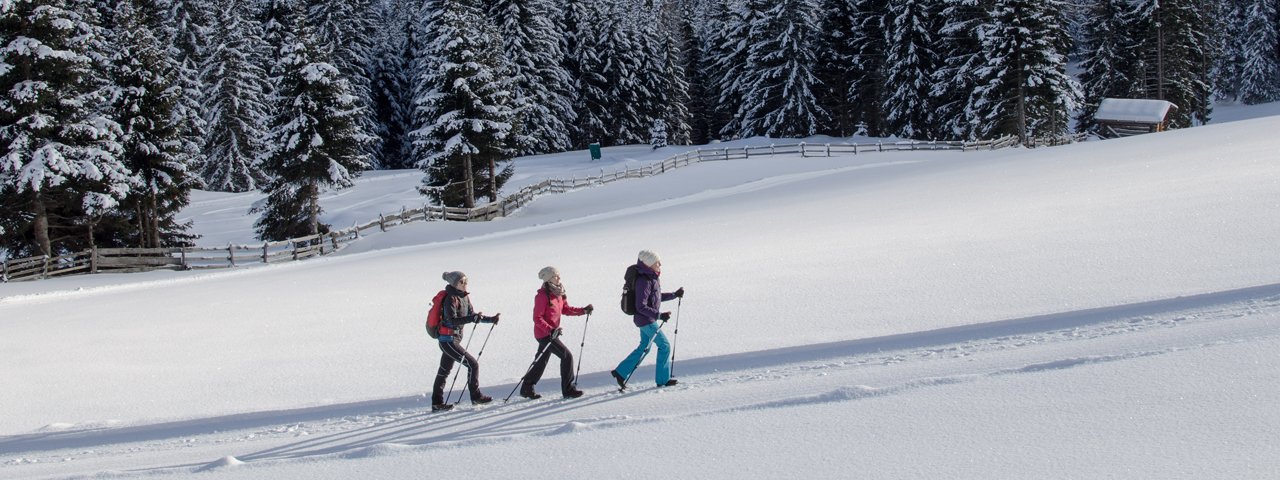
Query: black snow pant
x,y
453,352
550,347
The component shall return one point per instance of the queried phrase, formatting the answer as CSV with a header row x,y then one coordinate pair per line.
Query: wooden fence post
x,y
45,272
183,250
231,254
828,149
802,153
382,224
4,271
93,259
264,252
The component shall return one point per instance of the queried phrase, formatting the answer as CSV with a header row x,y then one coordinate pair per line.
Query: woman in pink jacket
x,y
549,304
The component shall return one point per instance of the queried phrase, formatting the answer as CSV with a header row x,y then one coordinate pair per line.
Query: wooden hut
x,y
1123,117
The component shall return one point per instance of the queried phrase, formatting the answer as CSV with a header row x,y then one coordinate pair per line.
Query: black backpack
x,y
629,291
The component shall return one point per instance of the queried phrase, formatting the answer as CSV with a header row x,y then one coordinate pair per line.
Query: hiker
x,y
456,312
649,298
548,305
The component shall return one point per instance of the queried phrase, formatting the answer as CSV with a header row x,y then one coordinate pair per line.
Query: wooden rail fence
x,y
190,258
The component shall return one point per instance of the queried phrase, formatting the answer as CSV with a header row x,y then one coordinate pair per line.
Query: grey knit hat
x,y
649,258
454,277
548,273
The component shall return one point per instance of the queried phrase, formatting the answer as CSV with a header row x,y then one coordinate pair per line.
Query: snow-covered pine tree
x,y
1226,68
658,133
1260,65
315,140
676,65
960,53
156,147
586,124
1023,87
60,165
345,30
778,79
235,90
911,65
731,46
1110,62
702,90
463,109
542,97
391,88
616,41
1177,46
661,91
835,69
867,92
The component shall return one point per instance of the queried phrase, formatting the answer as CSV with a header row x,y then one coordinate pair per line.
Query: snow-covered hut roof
x,y
1133,110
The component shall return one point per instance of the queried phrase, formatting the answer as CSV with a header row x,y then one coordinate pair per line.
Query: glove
x,y
588,309
556,333
665,316
493,319
680,293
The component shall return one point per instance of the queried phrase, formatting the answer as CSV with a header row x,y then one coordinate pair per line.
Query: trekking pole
x,y
646,352
456,372
675,336
582,346
478,355
541,347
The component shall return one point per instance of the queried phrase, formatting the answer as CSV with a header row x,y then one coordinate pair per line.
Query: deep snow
x,y
1108,309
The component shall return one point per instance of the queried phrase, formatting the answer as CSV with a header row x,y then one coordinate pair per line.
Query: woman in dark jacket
x,y
455,312
649,298
548,305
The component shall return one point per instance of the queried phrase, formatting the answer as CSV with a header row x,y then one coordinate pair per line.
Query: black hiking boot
x,y
622,382
481,400
527,392
669,383
572,393
441,407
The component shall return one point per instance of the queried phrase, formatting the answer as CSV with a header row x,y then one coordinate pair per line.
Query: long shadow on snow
x,y
414,425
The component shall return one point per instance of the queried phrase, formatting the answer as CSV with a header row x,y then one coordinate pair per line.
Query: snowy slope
x,y
1108,309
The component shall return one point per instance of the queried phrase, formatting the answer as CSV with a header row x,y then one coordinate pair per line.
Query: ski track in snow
x,y
393,426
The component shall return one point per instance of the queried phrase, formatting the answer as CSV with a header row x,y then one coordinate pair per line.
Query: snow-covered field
x,y
1101,310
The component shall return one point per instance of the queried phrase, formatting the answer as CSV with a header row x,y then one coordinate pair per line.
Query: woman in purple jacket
x,y
649,298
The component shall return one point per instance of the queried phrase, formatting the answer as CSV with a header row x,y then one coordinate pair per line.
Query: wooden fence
x,y
189,258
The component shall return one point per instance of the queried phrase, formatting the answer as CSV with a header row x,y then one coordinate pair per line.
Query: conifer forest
x,y
113,111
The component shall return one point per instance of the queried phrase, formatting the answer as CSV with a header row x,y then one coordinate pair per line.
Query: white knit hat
x,y
548,273
453,277
649,258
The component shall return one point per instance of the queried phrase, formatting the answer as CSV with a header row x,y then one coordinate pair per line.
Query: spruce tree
x,y
345,31
835,65
60,170
1110,65
960,53
463,110
235,111
156,147
1259,65
392,92
1176,43
316,141
910,65
731,51
779,81
867,92
542,97
1023,88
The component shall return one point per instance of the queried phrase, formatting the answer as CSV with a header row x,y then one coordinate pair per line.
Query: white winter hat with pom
x,y
649,258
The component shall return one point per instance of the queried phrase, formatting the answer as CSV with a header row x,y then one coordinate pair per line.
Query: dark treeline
x,y
114,110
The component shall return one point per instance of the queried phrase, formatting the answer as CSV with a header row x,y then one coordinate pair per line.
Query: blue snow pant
x,y
647,333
